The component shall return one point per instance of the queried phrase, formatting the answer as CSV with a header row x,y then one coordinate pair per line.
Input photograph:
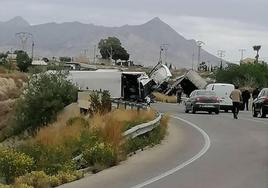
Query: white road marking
x,y
186,163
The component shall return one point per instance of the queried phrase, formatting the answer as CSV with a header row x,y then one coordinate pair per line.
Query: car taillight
x,y
266,99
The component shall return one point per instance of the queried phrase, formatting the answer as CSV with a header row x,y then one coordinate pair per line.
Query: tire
x,y
262,113
254,113
226,111
186,111
217,112
210,112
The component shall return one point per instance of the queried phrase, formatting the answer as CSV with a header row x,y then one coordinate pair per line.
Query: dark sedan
x,y
202,100
260,104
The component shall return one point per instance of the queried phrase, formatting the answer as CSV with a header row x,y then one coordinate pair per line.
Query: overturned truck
x,y
136,86
190,81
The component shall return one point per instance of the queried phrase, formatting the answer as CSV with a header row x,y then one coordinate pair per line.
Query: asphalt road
x,y
220,152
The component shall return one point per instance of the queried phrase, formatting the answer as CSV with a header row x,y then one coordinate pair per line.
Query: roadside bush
x,y
14,164
44,96
101,154
39,179
49,158
150,139
36,179
100,102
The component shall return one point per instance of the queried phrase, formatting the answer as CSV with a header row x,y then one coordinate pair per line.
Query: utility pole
x,y
199,45
94,54
32,50
165,48
221,54
242,54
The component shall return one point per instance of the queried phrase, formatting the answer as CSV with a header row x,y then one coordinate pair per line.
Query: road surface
x,y
201,151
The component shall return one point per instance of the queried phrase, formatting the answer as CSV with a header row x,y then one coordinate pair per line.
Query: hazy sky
x,y
223,25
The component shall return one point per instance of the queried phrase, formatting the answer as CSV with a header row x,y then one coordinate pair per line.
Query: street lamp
x,y
199,45
257,48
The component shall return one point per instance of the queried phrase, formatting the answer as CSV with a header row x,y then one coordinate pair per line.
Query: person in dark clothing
x,y
179,93
245,98
255,93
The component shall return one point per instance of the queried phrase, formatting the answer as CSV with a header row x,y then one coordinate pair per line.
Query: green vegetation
x,y
245,75
111,47
44,96
23,60
14,164
149,139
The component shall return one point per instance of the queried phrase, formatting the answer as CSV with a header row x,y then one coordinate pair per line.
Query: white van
x,y
223,91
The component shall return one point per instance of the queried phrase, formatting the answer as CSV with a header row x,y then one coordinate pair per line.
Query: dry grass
x,y
57,135
164,120
109,125
165,98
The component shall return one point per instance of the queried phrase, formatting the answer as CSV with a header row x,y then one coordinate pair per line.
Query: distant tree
x,y
23,60
111,47
65,59
248,75
202,67
3,58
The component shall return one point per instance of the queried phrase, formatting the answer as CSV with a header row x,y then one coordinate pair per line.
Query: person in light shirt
x,y
236,97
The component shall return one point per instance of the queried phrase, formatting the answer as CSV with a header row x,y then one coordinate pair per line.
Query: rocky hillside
x,y
10,89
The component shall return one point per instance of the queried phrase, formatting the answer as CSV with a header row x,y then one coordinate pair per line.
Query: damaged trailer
x,y
136,86
188,82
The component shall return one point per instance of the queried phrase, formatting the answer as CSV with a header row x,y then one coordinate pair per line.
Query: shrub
x,y
69,176
100,153
149,139
44,96
49,158
36,179
100,102
14,163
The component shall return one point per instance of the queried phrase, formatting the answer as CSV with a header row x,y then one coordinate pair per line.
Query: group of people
x,y
243,97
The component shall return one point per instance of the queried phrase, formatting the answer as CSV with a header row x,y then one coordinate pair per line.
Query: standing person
x,y
245,97
255,93
179,93
236,98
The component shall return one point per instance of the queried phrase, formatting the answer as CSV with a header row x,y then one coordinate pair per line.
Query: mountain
x,y
141,41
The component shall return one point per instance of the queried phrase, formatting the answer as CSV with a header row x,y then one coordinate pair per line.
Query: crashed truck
x,y
136,86
189,82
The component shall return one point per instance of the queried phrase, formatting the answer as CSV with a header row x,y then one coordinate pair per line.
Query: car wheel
x,y
186,111
254,113
226,111
262,113
210,112
217,112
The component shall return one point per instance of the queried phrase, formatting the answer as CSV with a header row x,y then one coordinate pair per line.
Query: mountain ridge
x,y
141,41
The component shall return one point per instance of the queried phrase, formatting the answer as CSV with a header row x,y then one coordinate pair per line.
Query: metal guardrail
x,y
142,128
132,133
116,103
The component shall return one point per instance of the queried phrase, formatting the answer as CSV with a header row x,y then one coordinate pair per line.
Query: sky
x,y
227,25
